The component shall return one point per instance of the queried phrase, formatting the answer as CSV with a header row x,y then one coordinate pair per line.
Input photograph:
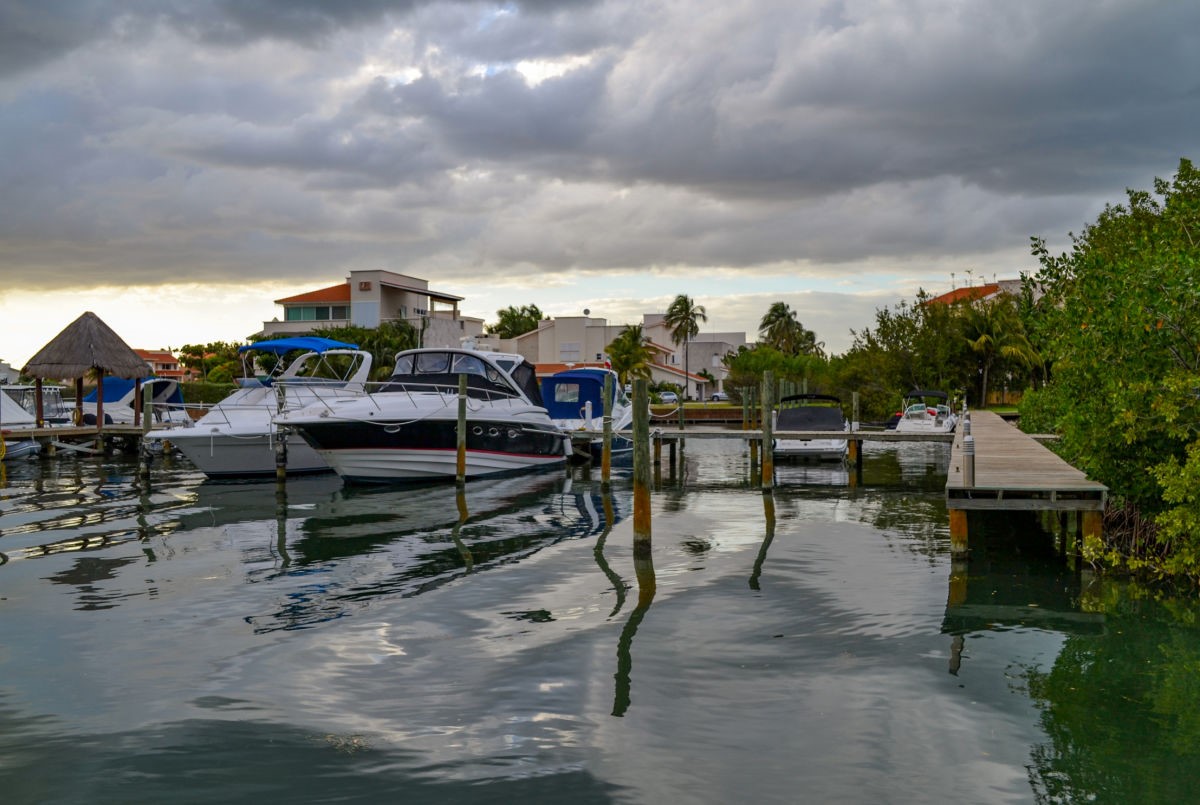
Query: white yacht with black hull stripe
x,y
406,431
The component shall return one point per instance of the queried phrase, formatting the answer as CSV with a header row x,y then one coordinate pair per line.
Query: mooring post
x,y
768,446
281,437
460,474
606,450
641,469
968,457
147,406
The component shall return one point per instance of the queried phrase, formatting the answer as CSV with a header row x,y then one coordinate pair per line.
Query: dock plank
x,y
1014,471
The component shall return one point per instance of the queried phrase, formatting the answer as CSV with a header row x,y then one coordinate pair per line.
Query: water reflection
x,y
406,541
643,568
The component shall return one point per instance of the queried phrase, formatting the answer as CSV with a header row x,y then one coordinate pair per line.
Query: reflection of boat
x,y
366,543
120,395
407,431
811,412
925,411
238,436
575,400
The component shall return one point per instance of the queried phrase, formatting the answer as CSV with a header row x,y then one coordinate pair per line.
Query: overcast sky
x,y
176,165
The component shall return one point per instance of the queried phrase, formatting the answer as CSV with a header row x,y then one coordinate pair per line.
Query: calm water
x,y
204,642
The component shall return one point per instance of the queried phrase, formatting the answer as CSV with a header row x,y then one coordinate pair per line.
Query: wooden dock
x,y
1014,472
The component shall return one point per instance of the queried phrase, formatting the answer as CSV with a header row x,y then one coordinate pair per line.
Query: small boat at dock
x,y
811,412
575,400
238,437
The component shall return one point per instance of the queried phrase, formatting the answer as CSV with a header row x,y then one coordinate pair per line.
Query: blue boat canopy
x,y
565,394
308,343
116,388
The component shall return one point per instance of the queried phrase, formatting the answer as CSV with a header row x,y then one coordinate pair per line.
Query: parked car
x,y
668,397
719,396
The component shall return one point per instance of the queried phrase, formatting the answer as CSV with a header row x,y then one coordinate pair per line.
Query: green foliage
x,y
513,321
683,319
204,358
205,393
383,342
779,328
630,354
748,365
1121,325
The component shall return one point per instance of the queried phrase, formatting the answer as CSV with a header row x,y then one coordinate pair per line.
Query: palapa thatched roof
x,y
86,344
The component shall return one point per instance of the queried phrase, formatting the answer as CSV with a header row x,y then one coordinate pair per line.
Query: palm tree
x,y
682,321
993,330
781,329
629,354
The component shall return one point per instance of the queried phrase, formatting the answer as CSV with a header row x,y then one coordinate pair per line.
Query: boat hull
x,y
427,450
248,455
16,450
812,449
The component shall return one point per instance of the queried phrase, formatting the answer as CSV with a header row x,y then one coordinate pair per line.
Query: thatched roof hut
x,y
86,344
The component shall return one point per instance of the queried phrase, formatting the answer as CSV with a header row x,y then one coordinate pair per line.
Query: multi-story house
x,y
370,298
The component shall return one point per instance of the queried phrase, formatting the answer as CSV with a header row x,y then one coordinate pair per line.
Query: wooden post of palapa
x,y
460,476
641,469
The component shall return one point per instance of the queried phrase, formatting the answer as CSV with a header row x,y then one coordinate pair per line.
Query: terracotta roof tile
x,y
334,293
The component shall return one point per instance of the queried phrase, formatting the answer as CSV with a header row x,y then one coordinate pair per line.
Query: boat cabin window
x,y
566,392
432,363
428,370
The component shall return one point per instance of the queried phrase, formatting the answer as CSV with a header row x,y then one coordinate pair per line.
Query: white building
x,y
370,298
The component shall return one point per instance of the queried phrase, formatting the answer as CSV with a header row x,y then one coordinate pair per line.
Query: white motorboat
x,y
13,420
811,412
55,410
575,400
238,437
407,430
120,398
925,411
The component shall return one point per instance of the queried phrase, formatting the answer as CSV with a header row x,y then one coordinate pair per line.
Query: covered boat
x,y
120,398
811,412
407,430
575,400
13,420
238,436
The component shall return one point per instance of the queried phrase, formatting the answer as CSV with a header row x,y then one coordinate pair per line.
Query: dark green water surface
x,y
226,643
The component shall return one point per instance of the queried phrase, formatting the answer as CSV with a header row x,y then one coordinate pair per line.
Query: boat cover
x,y
566,393
308,343
116,388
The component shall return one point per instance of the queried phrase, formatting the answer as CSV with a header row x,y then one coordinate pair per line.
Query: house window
x,y
570,351
316,313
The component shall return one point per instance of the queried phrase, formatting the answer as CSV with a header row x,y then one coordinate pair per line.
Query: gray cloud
x,y
226,140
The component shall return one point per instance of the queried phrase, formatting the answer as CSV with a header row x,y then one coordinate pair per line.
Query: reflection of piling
x,y
606,449
769,513
460,472
460,498
281,514
768,440
643,568
641,469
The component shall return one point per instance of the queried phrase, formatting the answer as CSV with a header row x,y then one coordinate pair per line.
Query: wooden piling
x,y
606,450
281,455
958,532
641,469
768,440
460,474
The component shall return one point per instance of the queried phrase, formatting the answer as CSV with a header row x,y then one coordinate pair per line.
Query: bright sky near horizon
x,y
174,168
